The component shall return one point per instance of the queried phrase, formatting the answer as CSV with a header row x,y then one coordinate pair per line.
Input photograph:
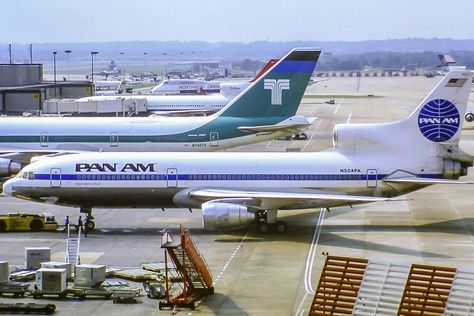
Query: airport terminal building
x,y
22,88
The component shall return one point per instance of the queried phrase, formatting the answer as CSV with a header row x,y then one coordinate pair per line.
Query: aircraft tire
x,y
280,227
264,228
91,225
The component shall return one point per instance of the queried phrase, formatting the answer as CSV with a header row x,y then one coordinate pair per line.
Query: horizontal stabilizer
x,y
427,181
182,113
293,124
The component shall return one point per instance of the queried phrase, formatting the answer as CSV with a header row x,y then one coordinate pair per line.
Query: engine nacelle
x,y
453,169
233,88
223,215
9,167
469,117
346,135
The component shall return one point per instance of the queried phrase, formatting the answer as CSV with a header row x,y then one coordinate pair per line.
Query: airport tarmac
x,y
274,274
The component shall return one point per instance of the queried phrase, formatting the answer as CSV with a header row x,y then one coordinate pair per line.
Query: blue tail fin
x,y
279,91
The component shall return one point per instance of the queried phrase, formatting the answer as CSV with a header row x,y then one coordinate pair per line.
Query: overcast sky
x,y
39,21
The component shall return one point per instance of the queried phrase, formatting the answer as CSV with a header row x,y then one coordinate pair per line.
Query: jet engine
x,y
469,117
453,169
224,215
9,167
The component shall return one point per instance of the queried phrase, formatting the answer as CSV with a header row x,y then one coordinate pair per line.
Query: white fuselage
x,y
191,86
154,179
208,103
141,134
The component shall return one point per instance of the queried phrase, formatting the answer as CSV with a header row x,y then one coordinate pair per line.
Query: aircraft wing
x,y
182,113
275,199
290,127
427,181
25,156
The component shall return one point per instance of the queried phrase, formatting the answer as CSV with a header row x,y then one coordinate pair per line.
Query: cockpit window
x,y
29,175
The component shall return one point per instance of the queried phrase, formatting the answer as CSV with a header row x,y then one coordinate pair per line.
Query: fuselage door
x,y
172,177
44,139
214,138
371,178
114,139
55,177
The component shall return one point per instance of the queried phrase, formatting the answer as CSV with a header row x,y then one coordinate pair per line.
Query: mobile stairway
x,y
72,248
194,279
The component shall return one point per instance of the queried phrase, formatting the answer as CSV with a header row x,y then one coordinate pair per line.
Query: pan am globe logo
x,y
439,120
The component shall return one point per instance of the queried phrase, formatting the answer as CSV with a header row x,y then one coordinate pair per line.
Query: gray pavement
x,y
275,274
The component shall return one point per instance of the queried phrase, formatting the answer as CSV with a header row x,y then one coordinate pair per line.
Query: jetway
x,y
116,107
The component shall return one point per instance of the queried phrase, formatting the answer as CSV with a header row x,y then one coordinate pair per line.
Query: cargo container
x,y
35,255
89,275
51,281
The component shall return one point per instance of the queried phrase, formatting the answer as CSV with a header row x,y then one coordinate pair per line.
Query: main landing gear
x,y
267,223
90,223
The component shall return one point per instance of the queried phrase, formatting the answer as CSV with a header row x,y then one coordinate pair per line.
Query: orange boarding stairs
x,y
194,279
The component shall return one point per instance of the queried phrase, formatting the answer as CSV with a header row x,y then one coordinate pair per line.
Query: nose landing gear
x,y
90,223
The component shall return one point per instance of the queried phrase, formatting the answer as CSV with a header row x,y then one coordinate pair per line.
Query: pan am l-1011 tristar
x,y
264,111
368,163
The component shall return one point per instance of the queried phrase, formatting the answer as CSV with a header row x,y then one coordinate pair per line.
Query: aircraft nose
x,y
7,187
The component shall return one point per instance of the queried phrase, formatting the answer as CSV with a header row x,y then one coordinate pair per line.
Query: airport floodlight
x,y
54,71
92,64
68,51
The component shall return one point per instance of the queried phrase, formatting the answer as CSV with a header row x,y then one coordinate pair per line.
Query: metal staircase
x,y
72,248
194,277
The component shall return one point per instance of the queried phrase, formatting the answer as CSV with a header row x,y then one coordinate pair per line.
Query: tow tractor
x,y
25,222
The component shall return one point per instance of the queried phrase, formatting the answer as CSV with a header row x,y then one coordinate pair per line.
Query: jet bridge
x,y
194,278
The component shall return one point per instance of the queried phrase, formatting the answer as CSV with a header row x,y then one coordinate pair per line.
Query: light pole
x,y
67,53
92,60
54,67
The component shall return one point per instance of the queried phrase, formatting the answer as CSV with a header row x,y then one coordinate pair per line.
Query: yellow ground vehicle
x,y
23,221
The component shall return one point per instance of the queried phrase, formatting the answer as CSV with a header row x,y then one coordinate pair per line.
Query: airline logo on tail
x,y
439,120
276,87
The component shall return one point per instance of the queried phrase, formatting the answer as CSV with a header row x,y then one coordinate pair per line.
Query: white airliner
x,y
171,105
264,111
193,86
178,99
368,163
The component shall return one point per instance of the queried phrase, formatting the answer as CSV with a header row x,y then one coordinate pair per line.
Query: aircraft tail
x,y
265,68
439,116
446,60
432,130
279,91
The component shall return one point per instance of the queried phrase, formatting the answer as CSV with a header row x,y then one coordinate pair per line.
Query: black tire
x,y
263,228
50,308
280,227
36,225
90,225
3,226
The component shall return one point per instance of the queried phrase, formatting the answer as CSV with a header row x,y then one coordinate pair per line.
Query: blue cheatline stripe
x,y
218,177
289,66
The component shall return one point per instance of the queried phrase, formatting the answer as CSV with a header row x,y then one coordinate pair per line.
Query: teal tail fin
x,y
279,91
